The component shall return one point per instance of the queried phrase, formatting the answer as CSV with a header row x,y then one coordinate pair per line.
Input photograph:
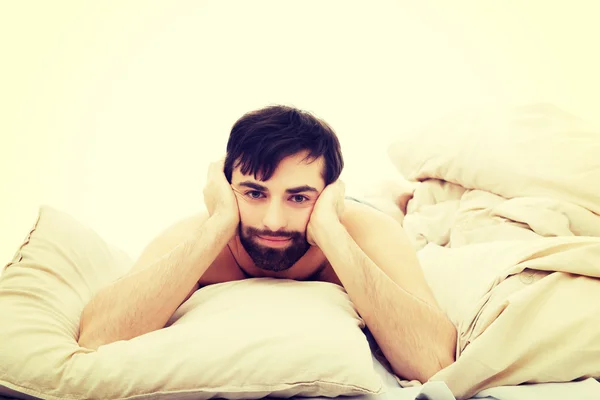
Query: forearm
x,y
144,300
417,338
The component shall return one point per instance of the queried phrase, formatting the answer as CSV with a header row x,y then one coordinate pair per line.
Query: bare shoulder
x,y
370,226
357,213
169,238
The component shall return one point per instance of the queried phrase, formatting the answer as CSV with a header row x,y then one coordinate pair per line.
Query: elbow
x,y
445,351
88,343
88,335
90,339
426,372
87,339
442,353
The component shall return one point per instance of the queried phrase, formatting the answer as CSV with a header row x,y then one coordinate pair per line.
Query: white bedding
x,y
505,216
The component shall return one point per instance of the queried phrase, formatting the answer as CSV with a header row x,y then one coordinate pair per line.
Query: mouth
x,y
274,240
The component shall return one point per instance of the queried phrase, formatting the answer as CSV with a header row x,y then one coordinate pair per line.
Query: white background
x,y
112,110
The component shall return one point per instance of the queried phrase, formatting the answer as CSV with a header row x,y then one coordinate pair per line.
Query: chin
x,y
273,269
273,256
275,259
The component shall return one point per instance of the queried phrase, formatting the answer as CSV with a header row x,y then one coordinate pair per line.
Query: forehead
x,y
292,171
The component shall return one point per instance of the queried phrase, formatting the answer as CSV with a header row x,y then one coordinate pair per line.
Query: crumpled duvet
x,y
505,215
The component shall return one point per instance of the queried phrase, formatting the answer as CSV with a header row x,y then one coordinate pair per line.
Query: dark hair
x,y
260,139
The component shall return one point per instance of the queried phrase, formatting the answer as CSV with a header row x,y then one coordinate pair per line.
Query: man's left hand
x,y
328,210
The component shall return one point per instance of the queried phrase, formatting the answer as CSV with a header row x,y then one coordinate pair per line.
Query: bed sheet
x,y
584,390
437,390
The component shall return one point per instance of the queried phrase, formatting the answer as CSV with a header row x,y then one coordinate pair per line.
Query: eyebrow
x,y
294,190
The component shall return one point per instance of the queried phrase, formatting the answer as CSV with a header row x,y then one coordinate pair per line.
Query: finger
x,y
338,187
236,191
217,167
238,194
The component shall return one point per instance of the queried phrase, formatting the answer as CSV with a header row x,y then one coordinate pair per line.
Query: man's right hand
x,y
219,197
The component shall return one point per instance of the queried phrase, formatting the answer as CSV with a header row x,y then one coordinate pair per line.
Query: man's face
x,y
274,214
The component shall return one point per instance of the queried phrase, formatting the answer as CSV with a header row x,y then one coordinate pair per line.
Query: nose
x,y
274,218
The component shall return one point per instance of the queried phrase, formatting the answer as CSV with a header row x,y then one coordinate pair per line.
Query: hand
x,y
328,209
219,197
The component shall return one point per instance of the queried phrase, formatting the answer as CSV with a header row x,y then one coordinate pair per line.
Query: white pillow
x,y
537,150
244,339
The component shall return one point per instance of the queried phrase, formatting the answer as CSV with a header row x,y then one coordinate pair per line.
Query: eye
x,y
254,194
298,198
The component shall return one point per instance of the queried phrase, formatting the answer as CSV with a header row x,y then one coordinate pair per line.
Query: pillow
x,y
242,339
537,150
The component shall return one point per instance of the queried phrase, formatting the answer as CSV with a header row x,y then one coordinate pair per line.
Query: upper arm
x,y
386,243
167,240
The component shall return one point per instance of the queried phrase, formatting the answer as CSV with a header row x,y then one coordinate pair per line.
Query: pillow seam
x,y
18,257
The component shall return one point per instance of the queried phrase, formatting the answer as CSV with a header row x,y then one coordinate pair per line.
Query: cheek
x,y
302,218
248,213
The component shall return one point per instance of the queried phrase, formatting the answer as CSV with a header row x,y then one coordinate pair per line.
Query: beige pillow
x,y
536,150
244,339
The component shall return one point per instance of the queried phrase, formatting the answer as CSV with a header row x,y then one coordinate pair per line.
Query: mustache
x,y
282,234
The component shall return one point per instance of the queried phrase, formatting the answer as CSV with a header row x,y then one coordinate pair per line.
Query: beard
x,y
273,259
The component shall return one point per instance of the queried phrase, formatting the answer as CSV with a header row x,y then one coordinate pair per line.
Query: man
x,y
276,208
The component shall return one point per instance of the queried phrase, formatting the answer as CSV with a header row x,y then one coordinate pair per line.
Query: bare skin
x,y
351,245
234,263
